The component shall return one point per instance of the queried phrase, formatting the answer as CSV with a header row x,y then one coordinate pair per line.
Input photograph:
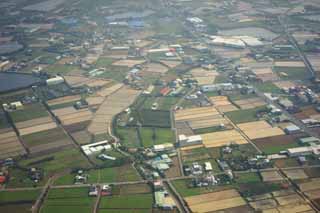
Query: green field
x,y
68,200
128,136
143,201
154,136
12,196
106,175
164,103
243,116
67,159
293,73
251,177
268,87
154,118
29,112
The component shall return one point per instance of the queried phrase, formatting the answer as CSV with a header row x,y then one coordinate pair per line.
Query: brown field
x,y
33,122
295,174
65,111
65,99
113,104
10,145
77,81
259,129
174,170
263,204
222,138
197,118
183,128
215,201
285,84
270,176
306,112
134,189
250,103
94,101
37,128
76,127
313,194
312,172
238,209
155,68
76,120
311,185
294,208
283,192
82,137
267,142
223,104
289,199
187,148
44,148
204,76
109,90
171,64
128,62
289,64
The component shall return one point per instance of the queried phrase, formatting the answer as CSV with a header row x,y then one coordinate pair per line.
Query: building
x,y
163,200
189,140
300,151
217,87
54,81
309,140
207,167
163,147
90,149
292,129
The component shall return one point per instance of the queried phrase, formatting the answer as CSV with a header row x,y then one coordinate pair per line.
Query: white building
x,y
54,81
190,140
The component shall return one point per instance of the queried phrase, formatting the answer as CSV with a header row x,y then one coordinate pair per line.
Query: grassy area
x,y
44,137
105,175
292,73
236,97
29,112
143,201
251,177
153,136
104,62
185,191
267,87
54,162
221,79
212,94
154,118
164,103
278,148
68,200
128,136
63,105
207,130
12,196
243,116
61,69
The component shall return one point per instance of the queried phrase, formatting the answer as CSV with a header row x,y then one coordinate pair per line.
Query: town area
x,y
159,106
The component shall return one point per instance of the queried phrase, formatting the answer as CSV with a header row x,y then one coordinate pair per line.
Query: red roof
x,y
2,179
165,91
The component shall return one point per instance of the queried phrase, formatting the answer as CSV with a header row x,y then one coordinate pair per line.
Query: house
x,y
300,151
106,190
93,191
207,167
309,140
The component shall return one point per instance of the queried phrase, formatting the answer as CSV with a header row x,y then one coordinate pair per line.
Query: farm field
x,y
68,200
29,112
154,136
259,129
20,201
215,201
137,198
217,139
243,116
223,104
198,118
113,104
105,175
10,145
